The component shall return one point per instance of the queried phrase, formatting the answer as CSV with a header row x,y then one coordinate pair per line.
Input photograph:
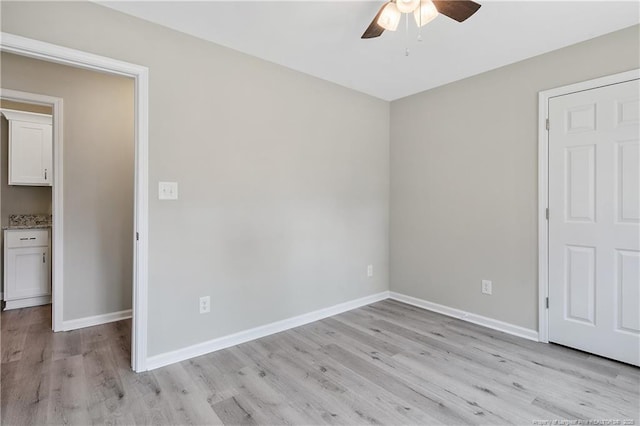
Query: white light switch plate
x,y
167,190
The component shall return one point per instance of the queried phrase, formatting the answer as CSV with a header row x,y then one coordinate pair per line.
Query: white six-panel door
x,y
594,221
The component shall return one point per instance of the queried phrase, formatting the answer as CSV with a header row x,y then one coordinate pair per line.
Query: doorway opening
x,y
138,236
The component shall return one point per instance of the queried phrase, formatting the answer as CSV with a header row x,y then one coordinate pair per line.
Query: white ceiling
x,y
322,38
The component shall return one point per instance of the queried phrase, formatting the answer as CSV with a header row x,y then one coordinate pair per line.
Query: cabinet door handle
x,y
45,174
23,239
43,258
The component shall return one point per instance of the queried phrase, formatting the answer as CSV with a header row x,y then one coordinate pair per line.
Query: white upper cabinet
x,y
30,148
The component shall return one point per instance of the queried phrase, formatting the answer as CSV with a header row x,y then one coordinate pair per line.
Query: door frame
x,y
543,183
53,53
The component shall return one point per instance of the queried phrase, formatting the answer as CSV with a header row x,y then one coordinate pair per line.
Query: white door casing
x,y
594,220
59,54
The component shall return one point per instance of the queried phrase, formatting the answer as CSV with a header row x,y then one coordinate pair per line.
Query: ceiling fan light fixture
x,y
407,6
389,17
426,13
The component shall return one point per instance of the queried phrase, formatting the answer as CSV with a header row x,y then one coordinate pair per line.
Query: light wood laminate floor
x,y
387,363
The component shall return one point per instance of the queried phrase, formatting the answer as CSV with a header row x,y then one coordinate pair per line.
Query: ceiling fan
x,y
423,11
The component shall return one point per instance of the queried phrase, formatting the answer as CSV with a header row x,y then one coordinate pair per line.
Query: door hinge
x,y
137,236
547,124
547,303
546,213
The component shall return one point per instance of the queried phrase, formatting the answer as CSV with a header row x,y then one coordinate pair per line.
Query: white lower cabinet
x,y
27,271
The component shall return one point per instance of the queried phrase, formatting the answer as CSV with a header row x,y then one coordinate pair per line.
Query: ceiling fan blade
x,y
374,30
458,10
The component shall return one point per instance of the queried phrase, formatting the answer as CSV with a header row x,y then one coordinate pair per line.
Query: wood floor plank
x,y
327,384
436,407
231,412
32,377
105,392
7,382
323,400
13,340
262,398
363,322
66,345
378,344
189,405
427,373
68,404
360,389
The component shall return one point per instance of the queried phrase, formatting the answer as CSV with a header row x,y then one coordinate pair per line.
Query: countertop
x,y
12,227
28,221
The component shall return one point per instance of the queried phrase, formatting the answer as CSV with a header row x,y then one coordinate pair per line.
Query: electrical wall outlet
x,y
205,304
370,270
486,287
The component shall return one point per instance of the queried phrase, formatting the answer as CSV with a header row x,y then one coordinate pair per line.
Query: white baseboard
x,y
199,349
224,342
505,327
95,320
27,302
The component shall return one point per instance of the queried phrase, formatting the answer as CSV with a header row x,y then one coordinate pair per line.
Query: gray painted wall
x,y
464,180
98,180
283,178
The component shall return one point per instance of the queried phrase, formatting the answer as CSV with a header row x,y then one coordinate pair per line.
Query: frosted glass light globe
x,y
425,13
390,17
407,6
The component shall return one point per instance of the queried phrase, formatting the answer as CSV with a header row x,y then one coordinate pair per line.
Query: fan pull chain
x,y
406,51
420,23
